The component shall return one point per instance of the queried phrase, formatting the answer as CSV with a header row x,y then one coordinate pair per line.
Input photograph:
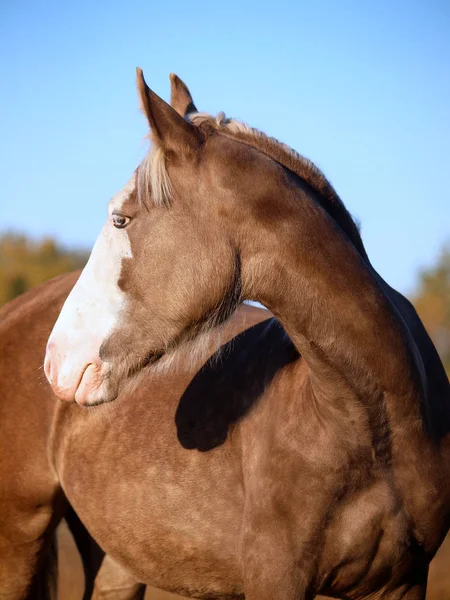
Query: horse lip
x,y
82,375
151,359
80,382
65,394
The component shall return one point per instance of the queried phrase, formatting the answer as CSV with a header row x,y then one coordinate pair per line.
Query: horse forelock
x,y
154,177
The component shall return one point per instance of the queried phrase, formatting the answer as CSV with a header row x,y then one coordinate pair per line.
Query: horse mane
x,y
155,177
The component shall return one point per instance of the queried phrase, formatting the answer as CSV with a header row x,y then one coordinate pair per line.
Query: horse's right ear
x,y
180,96
169,130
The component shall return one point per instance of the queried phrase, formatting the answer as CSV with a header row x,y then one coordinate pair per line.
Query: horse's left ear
x,y
169,129
180,96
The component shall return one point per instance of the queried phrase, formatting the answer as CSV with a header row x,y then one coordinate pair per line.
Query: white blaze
x,y
93,307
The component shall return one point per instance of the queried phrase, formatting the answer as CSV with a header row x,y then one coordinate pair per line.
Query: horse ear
x,y
180,96
169,129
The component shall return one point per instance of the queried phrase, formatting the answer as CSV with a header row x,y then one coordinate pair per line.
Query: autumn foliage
x,y
432,302
25,263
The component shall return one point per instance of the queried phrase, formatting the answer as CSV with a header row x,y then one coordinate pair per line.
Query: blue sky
x,y
361,88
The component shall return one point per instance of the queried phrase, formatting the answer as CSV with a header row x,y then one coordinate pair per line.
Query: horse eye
x,y
120,221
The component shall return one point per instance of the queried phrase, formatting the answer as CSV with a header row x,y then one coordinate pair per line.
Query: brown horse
x,y
337,479
327,472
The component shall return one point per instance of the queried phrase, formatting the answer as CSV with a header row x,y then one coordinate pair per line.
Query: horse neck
x,y
362,358
330,301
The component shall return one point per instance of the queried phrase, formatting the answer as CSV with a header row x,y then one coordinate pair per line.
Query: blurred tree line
x,y
432,302
25,263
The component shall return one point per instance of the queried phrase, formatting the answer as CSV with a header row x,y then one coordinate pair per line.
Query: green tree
x,y
25,263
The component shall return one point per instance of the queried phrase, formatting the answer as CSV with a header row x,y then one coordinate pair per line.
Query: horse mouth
x,y
91,390
98,385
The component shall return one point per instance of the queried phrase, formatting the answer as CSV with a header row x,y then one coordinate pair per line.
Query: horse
x,y
174,480
336,479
